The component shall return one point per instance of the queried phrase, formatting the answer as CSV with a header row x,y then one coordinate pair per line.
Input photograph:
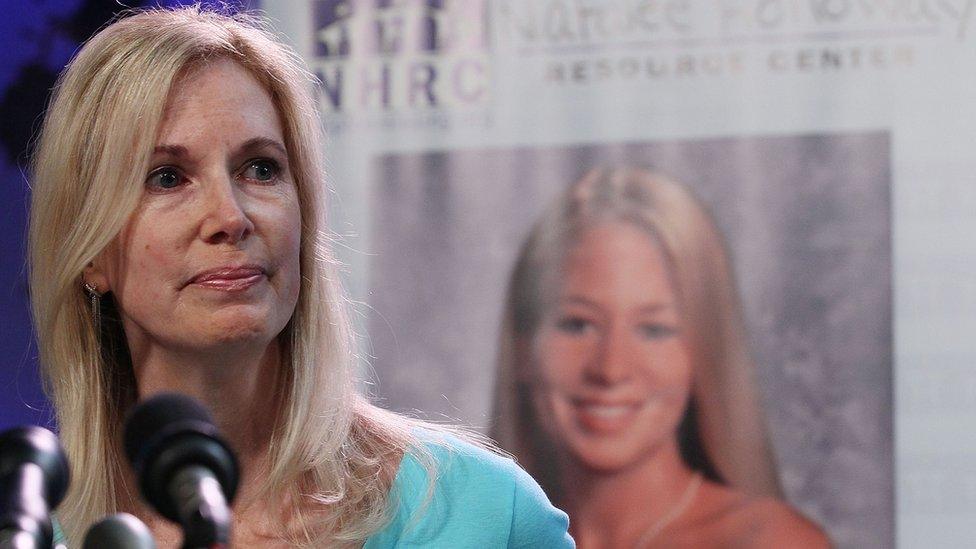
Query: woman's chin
x,y
606,457
224,332
242,335
613,450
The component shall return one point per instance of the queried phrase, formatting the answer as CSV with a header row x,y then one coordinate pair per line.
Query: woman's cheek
x,y
559,358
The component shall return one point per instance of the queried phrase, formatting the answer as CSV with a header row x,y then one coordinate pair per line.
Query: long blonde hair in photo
x,y
727,423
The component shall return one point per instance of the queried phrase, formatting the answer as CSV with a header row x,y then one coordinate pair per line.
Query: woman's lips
x,y
604,417
229,279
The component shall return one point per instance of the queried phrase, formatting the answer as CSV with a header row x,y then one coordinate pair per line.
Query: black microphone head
x,y
119,531
39,446
170,431
162,416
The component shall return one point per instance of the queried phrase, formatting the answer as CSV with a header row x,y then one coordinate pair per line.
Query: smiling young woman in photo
x,y
625,385
177,243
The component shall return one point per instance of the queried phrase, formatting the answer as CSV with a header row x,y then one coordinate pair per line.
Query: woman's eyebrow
x,y
254,143
574,299
262,142
171,150
654,308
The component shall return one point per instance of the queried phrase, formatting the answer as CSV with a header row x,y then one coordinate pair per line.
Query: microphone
x,y
119,531
185,469
34,477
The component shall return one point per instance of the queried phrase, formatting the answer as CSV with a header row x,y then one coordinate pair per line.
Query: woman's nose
x,y
226,220
611,363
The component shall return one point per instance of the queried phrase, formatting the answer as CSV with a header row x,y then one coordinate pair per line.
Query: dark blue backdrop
x,y
40,38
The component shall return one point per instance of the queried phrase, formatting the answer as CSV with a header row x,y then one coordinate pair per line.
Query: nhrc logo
x,y
400,55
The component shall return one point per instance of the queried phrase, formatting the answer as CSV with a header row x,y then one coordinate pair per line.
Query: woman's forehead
x,y
221,91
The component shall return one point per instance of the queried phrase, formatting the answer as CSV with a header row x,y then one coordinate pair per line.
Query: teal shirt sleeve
x,y
535,522
59,539
478,500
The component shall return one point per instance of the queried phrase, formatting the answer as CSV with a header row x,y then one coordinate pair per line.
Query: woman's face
x,y
210,258
611,364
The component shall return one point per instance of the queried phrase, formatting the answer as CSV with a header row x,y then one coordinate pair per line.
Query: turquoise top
x,y
480,500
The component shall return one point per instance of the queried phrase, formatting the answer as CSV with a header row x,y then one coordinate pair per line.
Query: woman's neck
x,y
240,389
613,509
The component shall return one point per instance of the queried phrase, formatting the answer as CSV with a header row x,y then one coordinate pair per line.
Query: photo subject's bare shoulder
x,y
779,525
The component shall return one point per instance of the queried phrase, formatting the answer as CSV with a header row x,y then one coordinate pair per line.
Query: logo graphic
x,y
396,56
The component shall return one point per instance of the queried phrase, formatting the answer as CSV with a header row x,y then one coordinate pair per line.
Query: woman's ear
x,y
94,276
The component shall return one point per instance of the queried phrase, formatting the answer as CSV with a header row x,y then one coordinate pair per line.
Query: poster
x,y
807,220
490,101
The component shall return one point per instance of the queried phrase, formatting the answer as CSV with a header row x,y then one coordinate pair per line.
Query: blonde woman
x,y
177,244
625,385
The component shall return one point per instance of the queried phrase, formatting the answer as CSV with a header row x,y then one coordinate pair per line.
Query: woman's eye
x,y
655,330
164,179
573,324
261,170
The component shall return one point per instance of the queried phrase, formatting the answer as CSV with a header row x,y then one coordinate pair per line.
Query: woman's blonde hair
x,y
725,421
330,446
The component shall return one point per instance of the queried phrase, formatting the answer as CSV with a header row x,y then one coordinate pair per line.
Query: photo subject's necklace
x,y
654,530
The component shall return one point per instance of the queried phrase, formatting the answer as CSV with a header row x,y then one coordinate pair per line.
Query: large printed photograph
x,y
705,320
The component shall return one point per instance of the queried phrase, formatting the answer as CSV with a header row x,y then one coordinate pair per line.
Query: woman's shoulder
x,y
458,466
781,525
751,521
456,491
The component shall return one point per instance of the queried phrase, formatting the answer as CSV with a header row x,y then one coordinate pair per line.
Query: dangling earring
x,y
96,304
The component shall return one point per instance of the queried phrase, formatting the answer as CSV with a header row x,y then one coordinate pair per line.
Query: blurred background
x,y
831,141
